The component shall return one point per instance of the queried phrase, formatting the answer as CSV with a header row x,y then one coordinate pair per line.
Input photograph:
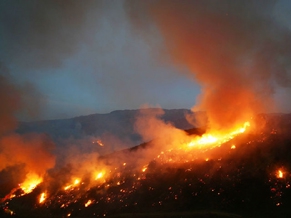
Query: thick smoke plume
x,y
32,152
235,49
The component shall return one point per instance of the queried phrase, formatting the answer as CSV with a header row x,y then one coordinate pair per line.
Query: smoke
x,y
30,155
37,35
35,151
149,125
235,50
10,103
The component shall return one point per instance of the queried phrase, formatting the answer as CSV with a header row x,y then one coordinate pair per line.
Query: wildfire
x,y
31,181
209,140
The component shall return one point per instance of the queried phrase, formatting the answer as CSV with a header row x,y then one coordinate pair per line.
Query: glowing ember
x,y
144,169
232,147
42,197
88,203
31,181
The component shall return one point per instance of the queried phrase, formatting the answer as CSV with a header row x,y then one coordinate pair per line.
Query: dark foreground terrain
x,y
240,182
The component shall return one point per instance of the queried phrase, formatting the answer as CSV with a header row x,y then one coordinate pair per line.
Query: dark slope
x,y
119,123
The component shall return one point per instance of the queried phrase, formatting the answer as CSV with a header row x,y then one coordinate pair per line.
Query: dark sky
x,y
80,57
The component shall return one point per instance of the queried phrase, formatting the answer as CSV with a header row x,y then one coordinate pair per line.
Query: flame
x,y
67,187
144,168
99,175
42,197
99,142
88,203
31,181
76,182
280,174
233,147
217,138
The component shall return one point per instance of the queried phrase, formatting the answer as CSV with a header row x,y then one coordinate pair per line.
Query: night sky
x,y
72,58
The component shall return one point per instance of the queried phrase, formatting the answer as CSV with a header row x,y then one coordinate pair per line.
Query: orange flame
x,y
217,138
144,169
42,197
31,181
88,203
99,175
280,174
76,182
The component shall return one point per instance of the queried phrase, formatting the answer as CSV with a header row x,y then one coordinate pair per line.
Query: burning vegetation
x,y
230,172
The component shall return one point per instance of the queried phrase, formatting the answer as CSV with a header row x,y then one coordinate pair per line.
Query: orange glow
x,y
31,181
233,147
42,197
144,169
88,203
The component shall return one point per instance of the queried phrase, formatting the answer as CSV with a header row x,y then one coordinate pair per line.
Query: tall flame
x,y
42,197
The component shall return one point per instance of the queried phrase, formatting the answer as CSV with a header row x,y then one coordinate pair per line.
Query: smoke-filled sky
x,y
70,58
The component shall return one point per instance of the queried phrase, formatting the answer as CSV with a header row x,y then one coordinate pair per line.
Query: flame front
x,y
31,181
216,138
